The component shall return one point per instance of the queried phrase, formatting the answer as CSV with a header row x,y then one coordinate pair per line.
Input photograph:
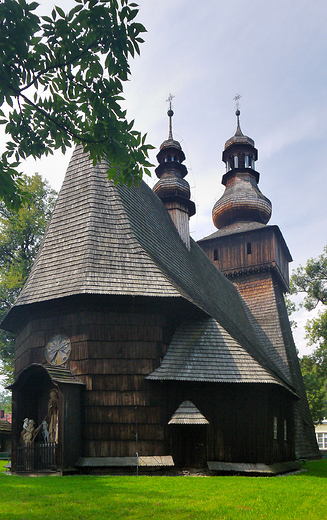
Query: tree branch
x,y
58,66
61,126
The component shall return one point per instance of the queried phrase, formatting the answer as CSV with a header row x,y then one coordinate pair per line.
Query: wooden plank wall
x,y
111,353
123,413
241,420
230,254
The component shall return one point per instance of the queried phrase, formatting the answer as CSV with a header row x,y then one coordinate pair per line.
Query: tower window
x,y
215,254
246,161
235,161
248,248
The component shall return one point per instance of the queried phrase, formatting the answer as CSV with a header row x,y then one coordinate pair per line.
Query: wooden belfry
x,y
159,360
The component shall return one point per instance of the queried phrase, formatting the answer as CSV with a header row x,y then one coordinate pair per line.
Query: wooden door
x,y
189,445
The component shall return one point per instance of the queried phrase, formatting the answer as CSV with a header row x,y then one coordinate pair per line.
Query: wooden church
x,y
139,349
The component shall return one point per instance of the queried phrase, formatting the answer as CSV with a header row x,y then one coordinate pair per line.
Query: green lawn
x,y
299,496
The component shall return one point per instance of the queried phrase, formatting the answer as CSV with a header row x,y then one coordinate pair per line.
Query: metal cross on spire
x,y
170,114
236,99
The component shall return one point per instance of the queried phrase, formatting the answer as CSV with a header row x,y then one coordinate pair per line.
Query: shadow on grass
x,y
315,468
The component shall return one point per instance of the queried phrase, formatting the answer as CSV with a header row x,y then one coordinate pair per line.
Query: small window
x,y
320,441
325,441
275,428
248,248
215,254
285,430
235,161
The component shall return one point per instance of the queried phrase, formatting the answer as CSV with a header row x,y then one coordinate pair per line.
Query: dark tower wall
x,y
255,258
262,278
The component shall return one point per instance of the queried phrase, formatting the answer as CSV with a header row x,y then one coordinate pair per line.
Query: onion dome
x,y
172,188
171,171
242,200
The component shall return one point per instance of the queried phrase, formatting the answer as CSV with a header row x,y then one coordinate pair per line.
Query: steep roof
x,y
203,351
188,413
57,374
236,227
89,246
112,240
261,298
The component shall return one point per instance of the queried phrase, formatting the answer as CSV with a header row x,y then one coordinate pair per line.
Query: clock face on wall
x,y
57,350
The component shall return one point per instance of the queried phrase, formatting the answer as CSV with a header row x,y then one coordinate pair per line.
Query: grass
x,y
299,496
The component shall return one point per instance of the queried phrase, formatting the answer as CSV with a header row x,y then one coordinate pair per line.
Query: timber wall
x,y
123,413
111,353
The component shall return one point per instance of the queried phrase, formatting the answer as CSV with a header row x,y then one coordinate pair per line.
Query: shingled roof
x,y
203,351
188,413
57,374
112,240
270,312
89,246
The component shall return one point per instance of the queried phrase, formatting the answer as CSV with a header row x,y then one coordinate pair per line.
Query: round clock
x,y
57,350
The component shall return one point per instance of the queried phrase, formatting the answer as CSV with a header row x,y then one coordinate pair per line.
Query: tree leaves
x,y
315,385
20,237
311,280
61,81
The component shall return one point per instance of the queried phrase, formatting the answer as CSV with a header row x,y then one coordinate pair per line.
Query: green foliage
x,y
5,401
20,237
61,83
311,280
316,334
299,496
290,307
314,379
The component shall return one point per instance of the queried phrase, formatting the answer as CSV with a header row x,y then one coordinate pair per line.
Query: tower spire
x,y
237,113
242,200
170,114
172,188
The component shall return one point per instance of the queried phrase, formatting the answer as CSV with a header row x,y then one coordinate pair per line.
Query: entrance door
x,y
189,445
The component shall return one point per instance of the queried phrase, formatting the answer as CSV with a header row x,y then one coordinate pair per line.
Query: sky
x,y
204,53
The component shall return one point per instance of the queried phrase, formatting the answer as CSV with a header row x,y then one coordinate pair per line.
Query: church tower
x,y
244,245
172,188
255,257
